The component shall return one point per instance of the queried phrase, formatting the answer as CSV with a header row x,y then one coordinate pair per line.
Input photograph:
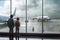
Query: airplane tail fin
x,y
14,12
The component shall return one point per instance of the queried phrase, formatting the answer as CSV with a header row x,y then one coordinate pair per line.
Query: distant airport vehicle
x,y
4,18
40,18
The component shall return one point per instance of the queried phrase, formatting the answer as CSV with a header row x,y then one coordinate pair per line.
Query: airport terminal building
x,y
39,19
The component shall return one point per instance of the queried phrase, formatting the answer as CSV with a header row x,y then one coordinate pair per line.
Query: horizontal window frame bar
x,y
33,35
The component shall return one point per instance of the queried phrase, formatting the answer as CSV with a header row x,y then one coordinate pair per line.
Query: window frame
x,y
32,35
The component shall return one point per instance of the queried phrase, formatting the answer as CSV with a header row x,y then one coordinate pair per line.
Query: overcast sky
x,y
34,7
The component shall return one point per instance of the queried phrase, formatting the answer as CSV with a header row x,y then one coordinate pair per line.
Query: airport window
x,y
34,9
51,9
38,18
4,13
20,12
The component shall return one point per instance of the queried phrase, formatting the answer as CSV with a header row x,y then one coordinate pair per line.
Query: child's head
x,y
17,18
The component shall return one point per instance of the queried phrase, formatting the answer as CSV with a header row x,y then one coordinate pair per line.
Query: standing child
x,y
17,24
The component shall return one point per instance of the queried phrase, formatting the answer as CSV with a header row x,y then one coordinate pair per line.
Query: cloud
x,y
34,8
5,9
20,5
52,8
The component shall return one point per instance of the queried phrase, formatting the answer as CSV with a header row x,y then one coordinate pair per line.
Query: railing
x,y
33,35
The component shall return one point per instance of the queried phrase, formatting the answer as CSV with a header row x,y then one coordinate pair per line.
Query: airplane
x,y
4,18
45,18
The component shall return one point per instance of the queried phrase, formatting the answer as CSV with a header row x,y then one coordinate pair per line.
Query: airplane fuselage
x,y
44,18
40,18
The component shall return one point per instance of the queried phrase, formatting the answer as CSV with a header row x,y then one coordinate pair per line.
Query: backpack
x,y
17,23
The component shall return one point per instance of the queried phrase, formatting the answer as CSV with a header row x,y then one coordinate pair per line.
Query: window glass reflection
x,y
34,10
4,13
51,16
51,9
21,13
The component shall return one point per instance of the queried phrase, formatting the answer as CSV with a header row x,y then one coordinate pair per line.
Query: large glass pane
x,y
20,12
52,16
4,14
34,10
20,6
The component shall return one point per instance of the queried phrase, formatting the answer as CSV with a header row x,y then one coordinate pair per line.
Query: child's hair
x,y
17,18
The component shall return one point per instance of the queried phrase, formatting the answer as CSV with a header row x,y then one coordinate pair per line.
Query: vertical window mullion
x,y
42,20
10,7
26,18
